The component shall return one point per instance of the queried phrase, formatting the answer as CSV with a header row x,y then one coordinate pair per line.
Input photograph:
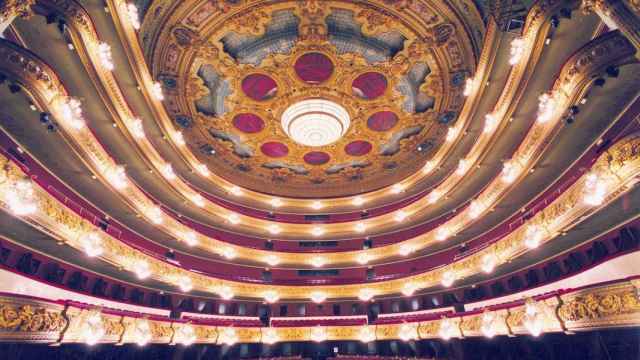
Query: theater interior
x,y
320,179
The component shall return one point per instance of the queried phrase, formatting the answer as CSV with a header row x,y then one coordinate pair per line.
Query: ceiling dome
x,y
368,86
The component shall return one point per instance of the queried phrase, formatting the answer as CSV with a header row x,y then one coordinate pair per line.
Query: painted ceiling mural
x,y
312,98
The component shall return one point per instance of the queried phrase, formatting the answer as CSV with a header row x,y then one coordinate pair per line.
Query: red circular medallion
x,y
248,123
369,85
316,158
259,87
382,121
358,148
313,68
274,149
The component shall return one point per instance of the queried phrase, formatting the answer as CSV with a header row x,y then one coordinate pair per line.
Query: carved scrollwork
x,y
596,306
26,318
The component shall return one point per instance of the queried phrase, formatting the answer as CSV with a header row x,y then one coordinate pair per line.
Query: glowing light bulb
x,y
203,170
406,249
533,318
366,294
533,236
318,297
117,177
318,334
142,269
92,244
270,336
317,231
451,134
228,336
469,84
546,108
185,284
488,263
434,196
318,261
487,326
443,233
167,171
476,208
272,260
92,329
275,202
510,171
233,218
154,213
364,258
428,167
317,205
397,188
408,332
134,17
21,198
190,237
198,200
142,332
274,229
185,335
448,277
399,216
156,91
490,123
229,253
235,190
517,51
447,329
104,54
179,138
71,113
409,288
463,165
271,296
367,334
225,292
137,129
360,227
594,191
358,201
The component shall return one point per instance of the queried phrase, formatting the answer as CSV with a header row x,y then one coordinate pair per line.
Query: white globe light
x,y
315,122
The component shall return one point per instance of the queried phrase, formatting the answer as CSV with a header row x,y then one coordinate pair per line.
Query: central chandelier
x,y
315,122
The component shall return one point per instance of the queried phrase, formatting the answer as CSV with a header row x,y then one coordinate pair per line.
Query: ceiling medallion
x,y
329,101
315,122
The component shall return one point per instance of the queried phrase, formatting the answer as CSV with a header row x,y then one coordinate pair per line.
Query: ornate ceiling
x,y
230,72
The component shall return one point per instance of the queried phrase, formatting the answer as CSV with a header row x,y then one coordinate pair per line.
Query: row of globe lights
x,y
93,330
22,202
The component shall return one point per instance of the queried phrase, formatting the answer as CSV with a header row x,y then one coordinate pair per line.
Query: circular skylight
x,y
315,122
